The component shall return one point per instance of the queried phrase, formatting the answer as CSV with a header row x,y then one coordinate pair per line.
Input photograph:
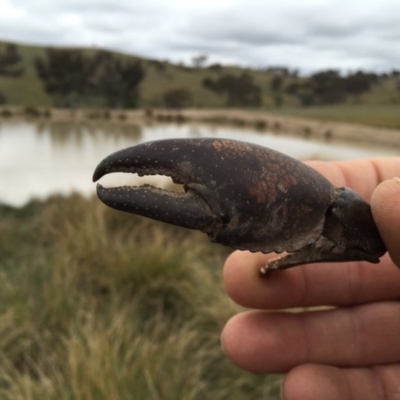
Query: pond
x,y
40,159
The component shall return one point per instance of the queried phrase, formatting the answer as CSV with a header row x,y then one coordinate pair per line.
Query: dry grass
x,y
98,305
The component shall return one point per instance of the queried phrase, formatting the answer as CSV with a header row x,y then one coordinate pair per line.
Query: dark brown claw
x,y
248,197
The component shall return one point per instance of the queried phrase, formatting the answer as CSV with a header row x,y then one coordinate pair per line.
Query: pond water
x,y
40,159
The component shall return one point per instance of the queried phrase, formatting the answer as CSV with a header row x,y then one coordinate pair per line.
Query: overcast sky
x,y
306,34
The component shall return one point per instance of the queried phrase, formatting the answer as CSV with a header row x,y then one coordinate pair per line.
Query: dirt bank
x,y
300,127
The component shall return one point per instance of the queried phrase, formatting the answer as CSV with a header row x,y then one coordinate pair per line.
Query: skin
x,y
349,352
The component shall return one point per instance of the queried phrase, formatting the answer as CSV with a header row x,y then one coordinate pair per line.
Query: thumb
x,y
385,204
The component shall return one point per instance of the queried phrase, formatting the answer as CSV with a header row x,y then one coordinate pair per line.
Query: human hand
x,y
349,352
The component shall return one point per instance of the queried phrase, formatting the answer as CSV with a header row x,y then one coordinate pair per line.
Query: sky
x,y
308,35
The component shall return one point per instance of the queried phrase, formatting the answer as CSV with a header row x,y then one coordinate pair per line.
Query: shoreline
x,y
307,128
253,119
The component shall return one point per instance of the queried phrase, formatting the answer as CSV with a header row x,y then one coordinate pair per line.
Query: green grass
x,y
95,304
384,116
378,107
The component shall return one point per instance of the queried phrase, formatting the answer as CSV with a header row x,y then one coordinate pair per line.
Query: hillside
x,y
377,106
160,77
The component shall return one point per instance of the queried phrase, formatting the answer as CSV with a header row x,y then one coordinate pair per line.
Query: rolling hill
x,y
380,105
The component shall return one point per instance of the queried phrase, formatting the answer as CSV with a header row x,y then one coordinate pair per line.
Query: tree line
x,y
328,87
321,88
239,91
10,65
73,78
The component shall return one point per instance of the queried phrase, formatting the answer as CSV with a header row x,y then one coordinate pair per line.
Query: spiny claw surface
x,y
248,197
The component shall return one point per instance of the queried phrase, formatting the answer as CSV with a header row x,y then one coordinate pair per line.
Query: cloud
x,y
310,35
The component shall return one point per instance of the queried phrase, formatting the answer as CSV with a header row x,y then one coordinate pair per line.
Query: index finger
x,y
363,176
325,283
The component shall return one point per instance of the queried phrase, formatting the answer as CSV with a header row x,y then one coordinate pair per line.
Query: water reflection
x,y
59,157
62,132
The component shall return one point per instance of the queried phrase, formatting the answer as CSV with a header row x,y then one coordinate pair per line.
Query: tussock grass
x,y
97,304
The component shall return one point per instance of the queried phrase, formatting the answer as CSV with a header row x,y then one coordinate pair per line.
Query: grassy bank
x,y
379,115
98,305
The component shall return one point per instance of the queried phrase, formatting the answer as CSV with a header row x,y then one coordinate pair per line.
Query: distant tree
x,y
395,74
10,61
3,98
199,61
306,95
184,67
292,88
304,91
10,65
118,80
215,67
278,70
276,88
359,82
66,75
328,87
177,98
240,91
70,76
210,84
159,66
276,83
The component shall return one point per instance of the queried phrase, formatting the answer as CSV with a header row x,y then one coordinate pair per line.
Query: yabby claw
x,y
248,197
